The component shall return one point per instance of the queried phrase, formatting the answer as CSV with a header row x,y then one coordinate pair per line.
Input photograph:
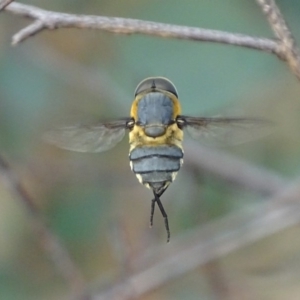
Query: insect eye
x,y
180,122
130,124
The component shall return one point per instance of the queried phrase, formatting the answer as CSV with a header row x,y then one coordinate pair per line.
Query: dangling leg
x,y
162,210
153,204
152,212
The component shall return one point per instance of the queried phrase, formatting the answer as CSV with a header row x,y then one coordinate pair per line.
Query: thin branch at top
x,y
53,20
285,48
288,47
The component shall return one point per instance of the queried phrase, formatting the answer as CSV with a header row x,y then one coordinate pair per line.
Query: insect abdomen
x,y
157,166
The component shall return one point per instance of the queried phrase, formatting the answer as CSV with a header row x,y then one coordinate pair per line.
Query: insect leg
x,y
162,210
156,194
152,211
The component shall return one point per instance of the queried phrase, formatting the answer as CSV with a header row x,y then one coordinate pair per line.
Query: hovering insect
x,y
155,130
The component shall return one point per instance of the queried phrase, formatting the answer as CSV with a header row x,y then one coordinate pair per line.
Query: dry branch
x,y
212,241
4,3
285,48
288,50
48,240
44,19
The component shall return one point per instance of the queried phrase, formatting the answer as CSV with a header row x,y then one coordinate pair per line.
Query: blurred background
x,y
92,202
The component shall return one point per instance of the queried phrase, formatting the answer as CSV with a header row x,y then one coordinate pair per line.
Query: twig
x,y
285,48
214,240
288,50
53,20
49,241
4,3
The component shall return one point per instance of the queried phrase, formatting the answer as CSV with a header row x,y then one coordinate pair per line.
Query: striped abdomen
x,y
156,166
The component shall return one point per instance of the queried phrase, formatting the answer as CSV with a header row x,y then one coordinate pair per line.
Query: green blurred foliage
x,y
89,200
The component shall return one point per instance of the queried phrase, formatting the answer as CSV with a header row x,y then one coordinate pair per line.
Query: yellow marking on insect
x,y
140,179
134,106
174,174
138,138
176,103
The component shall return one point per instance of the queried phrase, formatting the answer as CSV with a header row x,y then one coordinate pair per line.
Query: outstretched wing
x,y
94,138
226,130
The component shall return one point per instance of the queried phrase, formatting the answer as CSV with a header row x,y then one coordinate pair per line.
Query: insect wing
x,y
226,131
95,138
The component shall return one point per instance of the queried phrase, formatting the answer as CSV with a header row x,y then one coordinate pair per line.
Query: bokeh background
x,y
93,202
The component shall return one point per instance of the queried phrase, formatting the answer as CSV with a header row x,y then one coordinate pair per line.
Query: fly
x,y
155,128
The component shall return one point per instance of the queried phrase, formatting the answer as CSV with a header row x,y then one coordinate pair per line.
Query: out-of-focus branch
x,y
288,49
4,3
214,240
232,169
49,241
44,19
